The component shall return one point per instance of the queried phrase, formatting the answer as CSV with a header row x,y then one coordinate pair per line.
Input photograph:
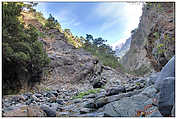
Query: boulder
x,y
50,112
130,107
26,111
166,99
114,91
167,71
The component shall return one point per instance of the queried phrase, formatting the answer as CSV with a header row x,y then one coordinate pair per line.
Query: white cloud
x,y
127,14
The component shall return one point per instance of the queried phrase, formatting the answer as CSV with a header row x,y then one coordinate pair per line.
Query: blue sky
x,y
113,21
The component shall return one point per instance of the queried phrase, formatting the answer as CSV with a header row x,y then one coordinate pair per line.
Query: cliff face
x,y
124,48
153,42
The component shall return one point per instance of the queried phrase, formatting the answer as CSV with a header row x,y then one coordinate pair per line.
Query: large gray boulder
x,y
165,84
166,96
167,71
130,106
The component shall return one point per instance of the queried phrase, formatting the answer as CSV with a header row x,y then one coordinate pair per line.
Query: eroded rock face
x,y
152,44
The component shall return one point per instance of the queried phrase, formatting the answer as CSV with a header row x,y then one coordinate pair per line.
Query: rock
x,y
130,88
38,95
173,111
26,111
77,100
127,106
63,114
54,93
89,104
155,114
29,102
98,84
100,95
50,95
85,110
52,99
100,102
152,79
90,96
166,95
34,98
61,102
48,111
114,91
149,91
167,71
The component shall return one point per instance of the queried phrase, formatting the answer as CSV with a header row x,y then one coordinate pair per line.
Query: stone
x,y
26,111
77,100
153,77
90,96
125,107
149,91
98,84
38,95
63,114
130,88
166,99
52,99
84,110
54,92
167,71
89,104
155,114
61,102
49,95
48,111
34,98
114,91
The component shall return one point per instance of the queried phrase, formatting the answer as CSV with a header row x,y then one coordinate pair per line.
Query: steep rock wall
x,y
153,41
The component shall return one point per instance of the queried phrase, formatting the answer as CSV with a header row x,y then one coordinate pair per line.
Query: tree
x,y
89,38
21,48
51,22
98,41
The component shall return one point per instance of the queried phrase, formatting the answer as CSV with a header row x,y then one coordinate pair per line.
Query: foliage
x,y
53,23
102,51
156,34
20,45
82,94
75,41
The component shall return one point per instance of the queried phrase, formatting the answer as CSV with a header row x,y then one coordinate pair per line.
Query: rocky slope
x,y
153,41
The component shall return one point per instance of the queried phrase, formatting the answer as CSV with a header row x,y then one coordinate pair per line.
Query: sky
x,y
113,21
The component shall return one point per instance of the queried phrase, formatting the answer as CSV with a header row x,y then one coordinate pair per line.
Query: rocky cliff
x,y
153,41
122,50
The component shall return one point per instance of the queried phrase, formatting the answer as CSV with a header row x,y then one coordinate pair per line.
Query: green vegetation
x,y
82,94
21,48
102,51
160,48
156,34
75,41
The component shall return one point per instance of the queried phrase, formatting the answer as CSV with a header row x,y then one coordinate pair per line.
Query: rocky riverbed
x,y
134,98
